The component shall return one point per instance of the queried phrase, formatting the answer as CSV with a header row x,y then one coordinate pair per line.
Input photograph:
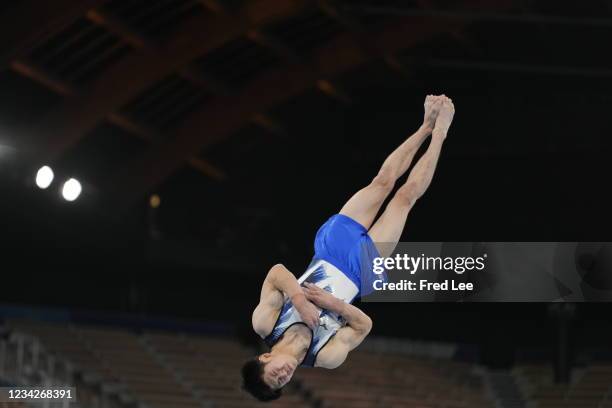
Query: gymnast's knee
x,y
407,195
384,180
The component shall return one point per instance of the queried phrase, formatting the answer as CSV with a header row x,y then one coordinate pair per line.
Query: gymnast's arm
x,y
280,282
347,338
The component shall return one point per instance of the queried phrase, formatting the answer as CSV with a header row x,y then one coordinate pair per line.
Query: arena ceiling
x,y
196,96
148,87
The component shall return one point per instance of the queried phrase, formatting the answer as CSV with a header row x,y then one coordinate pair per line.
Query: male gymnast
x,y
310,321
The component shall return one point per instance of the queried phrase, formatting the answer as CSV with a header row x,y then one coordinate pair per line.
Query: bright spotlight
x,y
71,189
44,177
154,201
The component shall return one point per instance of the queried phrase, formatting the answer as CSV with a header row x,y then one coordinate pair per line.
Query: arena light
x,y
44,177
71,190
154,201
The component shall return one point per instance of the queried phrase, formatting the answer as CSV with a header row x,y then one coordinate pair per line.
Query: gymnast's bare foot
x,y
444,118
432,108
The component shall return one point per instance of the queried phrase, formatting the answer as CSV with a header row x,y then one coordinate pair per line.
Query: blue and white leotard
x,y
342,265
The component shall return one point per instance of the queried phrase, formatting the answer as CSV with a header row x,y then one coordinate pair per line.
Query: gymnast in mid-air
x,y
310,321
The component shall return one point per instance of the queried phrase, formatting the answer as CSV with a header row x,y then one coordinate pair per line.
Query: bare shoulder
x,y
266,312
264,317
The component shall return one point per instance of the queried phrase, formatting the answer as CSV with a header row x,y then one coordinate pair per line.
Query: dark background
x,y
527,159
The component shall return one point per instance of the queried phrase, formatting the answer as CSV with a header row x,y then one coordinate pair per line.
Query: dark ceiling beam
x,y
133,127
495,66
29,70
148,134
28,22
123,81
333,91
474,15
458,35
361,36
152,136
205,167
286,54
400,68
330,9
274,45
204,81
189,72
268,123
226,115
337,12
118,27
214,6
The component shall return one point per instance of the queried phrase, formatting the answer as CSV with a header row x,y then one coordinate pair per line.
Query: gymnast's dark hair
x,y
252,381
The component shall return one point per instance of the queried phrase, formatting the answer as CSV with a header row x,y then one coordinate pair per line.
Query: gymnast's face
x,y
278,369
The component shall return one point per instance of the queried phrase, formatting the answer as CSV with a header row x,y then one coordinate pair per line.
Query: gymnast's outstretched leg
x,y
364,205
387,230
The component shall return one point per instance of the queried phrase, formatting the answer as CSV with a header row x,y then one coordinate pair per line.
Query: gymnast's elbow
x,y
367,325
